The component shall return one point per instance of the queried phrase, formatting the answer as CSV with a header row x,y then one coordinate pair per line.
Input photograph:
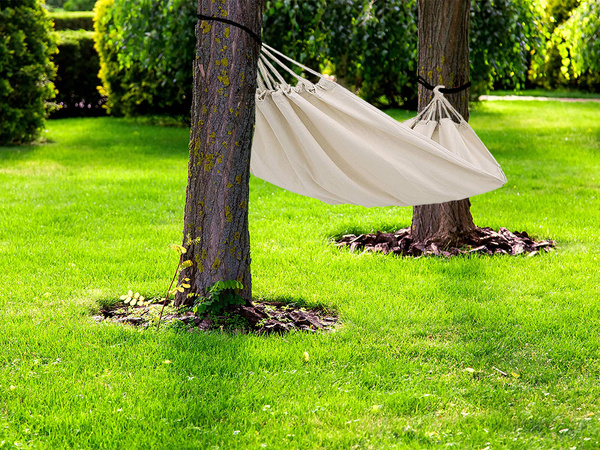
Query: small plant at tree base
x,y
181,250
132,299
229,321
220,295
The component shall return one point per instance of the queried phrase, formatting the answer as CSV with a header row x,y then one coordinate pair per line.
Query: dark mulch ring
x,y
484,241
260,318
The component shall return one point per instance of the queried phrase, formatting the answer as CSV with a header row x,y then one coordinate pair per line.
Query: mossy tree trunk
x,y
444,59
216,212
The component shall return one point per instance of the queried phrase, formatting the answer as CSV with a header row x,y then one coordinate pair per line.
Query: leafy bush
x,y
547,70
371,46
25,69
71,5
377,53
221,295
77,76
581,35
503,35
295,28
572,57
79,20
146,51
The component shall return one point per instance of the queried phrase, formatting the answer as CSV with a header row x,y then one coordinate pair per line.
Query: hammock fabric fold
x,y
322,141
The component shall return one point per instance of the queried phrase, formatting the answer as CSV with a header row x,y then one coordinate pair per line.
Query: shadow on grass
x,y
17,152
357,230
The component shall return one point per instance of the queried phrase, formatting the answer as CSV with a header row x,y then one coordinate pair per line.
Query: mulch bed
x,y
261,318
483,241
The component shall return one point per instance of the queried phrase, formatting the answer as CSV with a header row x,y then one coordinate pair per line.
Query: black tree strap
x,y
255,36
453,90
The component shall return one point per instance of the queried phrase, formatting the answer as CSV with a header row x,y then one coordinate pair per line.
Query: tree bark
x,y
444,59
216,211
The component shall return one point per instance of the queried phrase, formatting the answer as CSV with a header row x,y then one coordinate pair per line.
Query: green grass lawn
x,y
555,93
415,363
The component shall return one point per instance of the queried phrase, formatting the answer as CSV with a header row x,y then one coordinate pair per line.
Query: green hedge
x,y
26,70
78,20
146,52
77,76
146,47
370,46
71,5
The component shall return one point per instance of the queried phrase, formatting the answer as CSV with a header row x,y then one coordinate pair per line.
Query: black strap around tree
x,y
255,36
453,90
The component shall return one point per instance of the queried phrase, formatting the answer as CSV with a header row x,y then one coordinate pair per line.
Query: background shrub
x,y
25,69
377,53
71,5
296,29
77,76
570,58
372,46
79,20
581,37
504,36
146,47
146,50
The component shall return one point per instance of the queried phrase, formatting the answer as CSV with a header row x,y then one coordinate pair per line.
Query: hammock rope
x,y
252,34
444,90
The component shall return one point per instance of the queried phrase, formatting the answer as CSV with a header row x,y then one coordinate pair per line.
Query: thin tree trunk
x,y
216,212
444,59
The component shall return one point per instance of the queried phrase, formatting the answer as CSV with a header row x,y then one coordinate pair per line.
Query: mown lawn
x,y
90,215
555,93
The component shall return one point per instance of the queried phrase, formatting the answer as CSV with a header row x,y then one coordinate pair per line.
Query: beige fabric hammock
x,y
322,141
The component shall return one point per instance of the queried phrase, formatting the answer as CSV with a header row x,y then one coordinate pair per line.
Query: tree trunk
x,y
216,211
444,59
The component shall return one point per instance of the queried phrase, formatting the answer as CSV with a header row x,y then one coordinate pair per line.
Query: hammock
x,y
322,141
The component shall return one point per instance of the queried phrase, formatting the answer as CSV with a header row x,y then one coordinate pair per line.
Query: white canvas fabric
x,y
322,141
440,122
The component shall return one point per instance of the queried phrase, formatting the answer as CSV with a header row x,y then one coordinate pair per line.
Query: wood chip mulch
x,y
483,241
261,318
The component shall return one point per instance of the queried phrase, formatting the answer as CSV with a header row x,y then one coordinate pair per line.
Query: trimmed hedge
x,y
146,52
77,77
71,5
78,20
26,70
